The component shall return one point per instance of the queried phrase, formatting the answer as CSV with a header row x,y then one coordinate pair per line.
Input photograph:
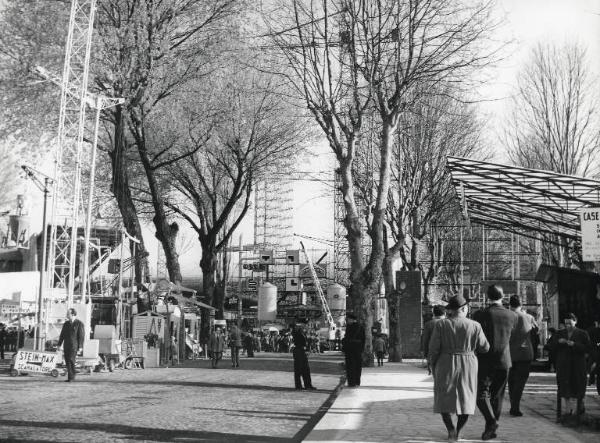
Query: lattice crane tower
x,y
68,159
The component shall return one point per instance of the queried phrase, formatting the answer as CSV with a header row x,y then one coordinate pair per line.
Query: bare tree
x,y
421,200
256,132
353,57
555,123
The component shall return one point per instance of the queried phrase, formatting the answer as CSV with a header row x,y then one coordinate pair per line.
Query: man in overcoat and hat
x,y
498,324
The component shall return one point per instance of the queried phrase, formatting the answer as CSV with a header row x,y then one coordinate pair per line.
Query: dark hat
x,y
351,316
456,302
514,301
494,292
302,320
438,310
570,316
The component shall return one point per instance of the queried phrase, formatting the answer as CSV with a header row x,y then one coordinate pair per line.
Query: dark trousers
x,y
2,350
490,394
301,369
235,356
379,358
517,378
70,364
353,367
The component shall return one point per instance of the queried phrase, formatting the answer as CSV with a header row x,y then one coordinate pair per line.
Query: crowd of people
x,y
473,361
11,339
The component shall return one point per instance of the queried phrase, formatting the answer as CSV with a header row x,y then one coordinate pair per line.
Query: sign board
x,y
590,233
251,284
34,361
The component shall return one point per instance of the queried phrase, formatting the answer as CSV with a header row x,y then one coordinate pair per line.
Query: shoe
x,y
299,388
68,381
490,432
311,388
452,436
516,413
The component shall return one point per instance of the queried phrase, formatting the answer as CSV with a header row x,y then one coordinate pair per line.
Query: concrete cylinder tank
x,y
267,302
336,297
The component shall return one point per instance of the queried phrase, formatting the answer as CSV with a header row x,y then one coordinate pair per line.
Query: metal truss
x,y
67,199
524,201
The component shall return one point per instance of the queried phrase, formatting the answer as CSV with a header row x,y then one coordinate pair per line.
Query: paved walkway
x,y
394,404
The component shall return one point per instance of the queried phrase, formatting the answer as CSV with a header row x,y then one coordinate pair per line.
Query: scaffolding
x,y
273,206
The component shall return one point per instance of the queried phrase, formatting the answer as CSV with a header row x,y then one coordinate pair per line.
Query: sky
x,y
527,23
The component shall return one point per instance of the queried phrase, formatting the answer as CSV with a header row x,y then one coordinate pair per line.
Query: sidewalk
x,y
394,404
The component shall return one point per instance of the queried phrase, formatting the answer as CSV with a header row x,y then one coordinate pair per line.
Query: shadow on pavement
x,y
146,434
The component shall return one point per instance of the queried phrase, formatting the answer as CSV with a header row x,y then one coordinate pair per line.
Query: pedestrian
x,y
380,349
570,346
498,324
594,356
249,344
439,313
521,355
301,367
216,346
72,336
548,349
454,343
235,343
3,335
353,344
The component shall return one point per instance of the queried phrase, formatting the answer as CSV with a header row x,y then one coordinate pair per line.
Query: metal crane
x,y
315,277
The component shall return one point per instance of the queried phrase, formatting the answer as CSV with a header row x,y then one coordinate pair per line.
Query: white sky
x,y
528,22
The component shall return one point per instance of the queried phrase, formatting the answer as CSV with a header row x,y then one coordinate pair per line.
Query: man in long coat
x,y
301,367
216,346
353,345
455,341
521,355
570,346
72,336
498,324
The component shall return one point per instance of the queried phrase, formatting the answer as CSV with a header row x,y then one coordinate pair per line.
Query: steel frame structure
x,y
68,159
523,201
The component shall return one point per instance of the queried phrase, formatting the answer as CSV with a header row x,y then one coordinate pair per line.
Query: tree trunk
x,y
122,193
391,295
165,233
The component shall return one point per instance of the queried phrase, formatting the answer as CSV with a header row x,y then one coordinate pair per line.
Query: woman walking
x,y
452,354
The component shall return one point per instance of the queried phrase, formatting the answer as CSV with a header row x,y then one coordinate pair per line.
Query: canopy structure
x,y
521,200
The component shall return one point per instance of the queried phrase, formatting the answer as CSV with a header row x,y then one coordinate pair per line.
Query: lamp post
x,y
44,187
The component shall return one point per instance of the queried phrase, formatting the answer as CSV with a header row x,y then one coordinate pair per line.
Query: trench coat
x,y
452,354
570,362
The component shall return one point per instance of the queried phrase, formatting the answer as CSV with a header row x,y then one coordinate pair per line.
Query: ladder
x,y
315,278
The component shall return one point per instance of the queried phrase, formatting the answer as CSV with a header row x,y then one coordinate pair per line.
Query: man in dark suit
x,y
301,367
521,355
439,313
353,345
498,324
72,335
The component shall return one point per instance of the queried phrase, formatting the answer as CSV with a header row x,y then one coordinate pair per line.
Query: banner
x,y
36,361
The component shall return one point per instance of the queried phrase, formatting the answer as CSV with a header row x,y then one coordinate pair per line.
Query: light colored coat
x,y
452,354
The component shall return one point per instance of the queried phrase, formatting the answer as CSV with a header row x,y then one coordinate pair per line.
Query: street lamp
x,y
44,187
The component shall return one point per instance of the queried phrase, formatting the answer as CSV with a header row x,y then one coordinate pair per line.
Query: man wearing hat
x,y
353,345
498,324
521,354
453,347
301,368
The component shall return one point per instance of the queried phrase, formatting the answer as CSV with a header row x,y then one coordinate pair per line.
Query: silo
x,y
267,302
336,297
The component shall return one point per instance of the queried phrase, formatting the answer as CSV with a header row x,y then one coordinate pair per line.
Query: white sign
x,y
33,361
590,233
